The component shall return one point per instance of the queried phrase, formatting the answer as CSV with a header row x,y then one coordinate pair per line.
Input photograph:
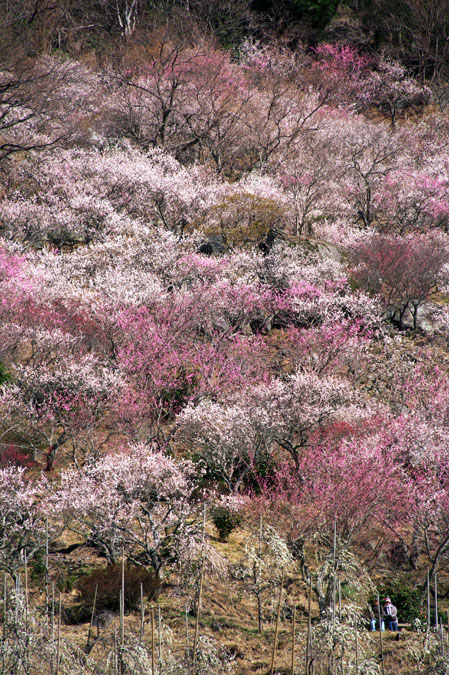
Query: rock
x,y
213,245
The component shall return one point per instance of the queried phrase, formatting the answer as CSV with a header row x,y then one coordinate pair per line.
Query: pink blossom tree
x,y
259,421
405,271
357,80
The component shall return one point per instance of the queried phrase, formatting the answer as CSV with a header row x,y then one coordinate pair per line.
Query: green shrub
x,y
225,521
409,602
4,375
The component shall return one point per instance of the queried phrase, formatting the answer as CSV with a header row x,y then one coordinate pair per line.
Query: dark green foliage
x,y
38,568
409,602
109,582
317,13
4,375
225,521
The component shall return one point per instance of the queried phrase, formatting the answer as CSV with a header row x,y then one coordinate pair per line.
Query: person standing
x,y
390,615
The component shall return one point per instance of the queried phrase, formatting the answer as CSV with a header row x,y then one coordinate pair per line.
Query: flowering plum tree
x,y
358,81
139,499
181,99
410,200
281,414
406,271
47,407
23,526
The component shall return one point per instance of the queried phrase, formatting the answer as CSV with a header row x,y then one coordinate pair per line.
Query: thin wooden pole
x,y
16,607
203,542
334,571
293,639
200,592
356,649
120,599
114,653
92,616
120,641
436,602
5,603
47,572
53,611
26,611
153,655
159,636
339,599
380,635
258,580
142,614
309,627
58,648
447,615
276,631
52,624
187,636
122,615
428,602
122,622
334,592
5,595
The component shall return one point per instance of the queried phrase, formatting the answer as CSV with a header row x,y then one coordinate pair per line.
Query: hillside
x,y
224,385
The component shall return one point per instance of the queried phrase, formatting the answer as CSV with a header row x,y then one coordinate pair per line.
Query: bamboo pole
x,y
47,572
447,615
276,631
91,619
52,624
334,592
114,653
428,602
58,648
120,600
26,611
5,595
159,636
200,592
53,611
153,656
187,636
120,643
436,602
339,599
309,627
122,613
380,635
142,614
203,541
16,607
356,649
259,572
293,639
334,571
4,632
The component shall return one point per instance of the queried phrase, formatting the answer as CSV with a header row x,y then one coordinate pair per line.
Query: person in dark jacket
x,y
390,615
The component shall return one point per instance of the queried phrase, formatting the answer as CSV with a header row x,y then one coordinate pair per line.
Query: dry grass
x,y
228,615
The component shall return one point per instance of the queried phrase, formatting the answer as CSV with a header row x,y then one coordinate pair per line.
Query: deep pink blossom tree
x,y
405,271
